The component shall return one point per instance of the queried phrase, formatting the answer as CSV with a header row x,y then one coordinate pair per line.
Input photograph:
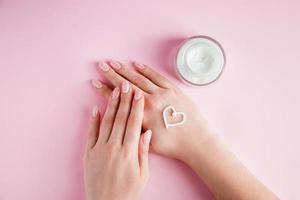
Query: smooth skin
x,y
116,157
194,142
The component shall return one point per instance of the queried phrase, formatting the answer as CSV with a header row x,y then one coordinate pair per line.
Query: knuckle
x,y
148,70
131,120
164,80
169,92
160,78
107,120
125,100
140,79
122,114
124,108
123,69
111,106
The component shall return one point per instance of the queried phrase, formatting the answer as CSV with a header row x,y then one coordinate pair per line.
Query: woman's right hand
x,y
116,157
176,142
192,142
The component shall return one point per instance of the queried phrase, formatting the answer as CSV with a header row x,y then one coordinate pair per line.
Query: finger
x,y
152,75
110,74
93,128
101,88
137,79
134,123
144,152
115,78
119,126
109,116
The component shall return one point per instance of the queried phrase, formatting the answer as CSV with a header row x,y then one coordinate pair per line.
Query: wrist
x,y
196,135
195,148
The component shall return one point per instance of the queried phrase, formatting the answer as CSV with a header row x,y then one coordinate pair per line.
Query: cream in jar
x,y
200,60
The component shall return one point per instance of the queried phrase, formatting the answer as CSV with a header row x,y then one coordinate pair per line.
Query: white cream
x,y
200,60
173,122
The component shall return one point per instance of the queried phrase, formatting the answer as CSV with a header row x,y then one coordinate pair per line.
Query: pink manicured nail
x,y
103,66
125,86
115,64
96,84
115,93
95,111
138,94
147,137
139,65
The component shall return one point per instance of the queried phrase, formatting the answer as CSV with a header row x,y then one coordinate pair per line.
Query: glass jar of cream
x,y
200,60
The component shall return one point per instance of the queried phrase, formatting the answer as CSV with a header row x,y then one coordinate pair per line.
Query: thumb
x,y
143,152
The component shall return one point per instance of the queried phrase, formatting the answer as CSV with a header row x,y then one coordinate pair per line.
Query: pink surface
x,y
47,51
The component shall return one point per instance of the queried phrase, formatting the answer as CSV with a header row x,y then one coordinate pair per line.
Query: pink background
x,y
47,53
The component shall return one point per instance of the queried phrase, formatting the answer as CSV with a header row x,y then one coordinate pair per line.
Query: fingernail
x,y
115,64
103,66
125,86
139,65
96,84
95,111
147,137
138,94
115,93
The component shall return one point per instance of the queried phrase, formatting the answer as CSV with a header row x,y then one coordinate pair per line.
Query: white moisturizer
x,y
200,60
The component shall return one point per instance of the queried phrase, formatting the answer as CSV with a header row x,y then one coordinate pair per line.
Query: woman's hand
x,y
190,142
116,157
159,93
